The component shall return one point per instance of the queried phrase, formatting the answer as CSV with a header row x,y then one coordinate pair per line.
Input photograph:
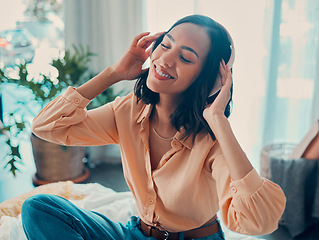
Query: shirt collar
x,y
146,112
187,142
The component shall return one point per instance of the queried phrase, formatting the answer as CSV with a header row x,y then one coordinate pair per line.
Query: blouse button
x,y
176,144
234,189
77,101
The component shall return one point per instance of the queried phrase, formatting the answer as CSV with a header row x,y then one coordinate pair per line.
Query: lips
x,y
160,74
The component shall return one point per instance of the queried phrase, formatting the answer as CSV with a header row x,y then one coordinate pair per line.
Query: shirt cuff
x,y
248,185
75,98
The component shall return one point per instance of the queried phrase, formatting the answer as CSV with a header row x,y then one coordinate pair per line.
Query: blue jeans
x,y
52,217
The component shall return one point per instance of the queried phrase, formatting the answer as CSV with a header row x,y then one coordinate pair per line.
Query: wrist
x,y
111,75
212,117
216,121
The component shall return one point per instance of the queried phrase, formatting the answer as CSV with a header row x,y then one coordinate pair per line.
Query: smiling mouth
x,y
161,74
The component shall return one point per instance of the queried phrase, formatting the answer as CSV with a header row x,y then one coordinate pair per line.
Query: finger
x,y
148,51
224,65
222,71
145,42
155,36
229,77
226,75
149,42
138,37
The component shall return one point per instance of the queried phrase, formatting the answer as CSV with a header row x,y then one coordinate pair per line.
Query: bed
x,y
118,206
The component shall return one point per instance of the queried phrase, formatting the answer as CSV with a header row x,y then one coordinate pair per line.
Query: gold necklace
x,y
163,138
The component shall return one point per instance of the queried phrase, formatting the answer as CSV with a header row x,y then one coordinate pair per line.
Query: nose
x,y
167,59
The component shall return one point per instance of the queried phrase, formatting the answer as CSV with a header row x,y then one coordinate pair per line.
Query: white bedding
x,y
118,206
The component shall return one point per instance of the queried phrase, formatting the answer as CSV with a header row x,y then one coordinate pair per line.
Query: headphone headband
x,y
230,64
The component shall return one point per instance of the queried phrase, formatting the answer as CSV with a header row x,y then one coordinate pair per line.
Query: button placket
x,y
156,218
149,206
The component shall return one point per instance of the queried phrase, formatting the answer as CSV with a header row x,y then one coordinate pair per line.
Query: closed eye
x,y
184,59
165,46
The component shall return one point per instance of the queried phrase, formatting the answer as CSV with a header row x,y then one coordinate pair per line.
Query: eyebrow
x,y
183,47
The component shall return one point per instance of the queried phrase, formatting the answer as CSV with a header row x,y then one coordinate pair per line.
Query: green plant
x,y
12,133
72,70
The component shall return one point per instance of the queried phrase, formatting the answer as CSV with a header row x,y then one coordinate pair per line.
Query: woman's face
x,y
178,59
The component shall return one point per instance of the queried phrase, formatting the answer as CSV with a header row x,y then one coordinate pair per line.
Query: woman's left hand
x,y
220,103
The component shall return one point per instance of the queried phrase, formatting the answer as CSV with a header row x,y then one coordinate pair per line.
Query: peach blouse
x,y
191,182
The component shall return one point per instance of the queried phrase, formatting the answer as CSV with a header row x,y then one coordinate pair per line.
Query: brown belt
x,y
205,231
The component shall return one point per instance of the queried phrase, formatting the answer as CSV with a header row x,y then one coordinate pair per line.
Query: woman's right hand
x,y
130,65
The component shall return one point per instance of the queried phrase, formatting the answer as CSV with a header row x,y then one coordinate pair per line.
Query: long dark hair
x,y
189,112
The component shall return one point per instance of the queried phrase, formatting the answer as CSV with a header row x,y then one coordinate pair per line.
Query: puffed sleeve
x,y
66,121
251,205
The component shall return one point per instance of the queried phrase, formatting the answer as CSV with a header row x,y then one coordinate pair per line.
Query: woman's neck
x,y
161,115
164,109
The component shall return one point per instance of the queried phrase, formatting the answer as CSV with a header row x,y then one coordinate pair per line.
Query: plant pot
x,y
57,163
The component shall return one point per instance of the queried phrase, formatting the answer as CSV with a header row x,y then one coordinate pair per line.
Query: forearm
x,y
99,83
237,161
128,68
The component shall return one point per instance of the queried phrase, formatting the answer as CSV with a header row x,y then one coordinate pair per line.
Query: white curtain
x,y
315,105
291,98
276,94
276,90
106,26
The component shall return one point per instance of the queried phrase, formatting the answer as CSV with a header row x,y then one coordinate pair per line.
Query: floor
x,y
108,174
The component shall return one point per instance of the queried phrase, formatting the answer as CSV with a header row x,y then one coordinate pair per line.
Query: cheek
x,y
191,72
155,54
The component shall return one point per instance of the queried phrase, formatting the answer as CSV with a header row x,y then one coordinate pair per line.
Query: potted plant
x,y
55,162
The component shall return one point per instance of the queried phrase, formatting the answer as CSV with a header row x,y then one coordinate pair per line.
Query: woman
x,y
180,158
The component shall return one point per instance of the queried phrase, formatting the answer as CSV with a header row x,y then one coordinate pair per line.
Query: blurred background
x,y
46,45
276,42
275,72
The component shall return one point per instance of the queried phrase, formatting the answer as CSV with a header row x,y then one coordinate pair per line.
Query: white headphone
x,y
218,85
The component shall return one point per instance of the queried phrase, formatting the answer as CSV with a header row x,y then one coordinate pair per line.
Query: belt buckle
x,y
166,235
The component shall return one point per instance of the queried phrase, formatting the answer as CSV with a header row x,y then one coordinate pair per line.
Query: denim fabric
x,y
52,217
217,236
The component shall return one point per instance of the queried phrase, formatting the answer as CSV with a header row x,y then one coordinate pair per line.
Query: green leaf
x,y
15,152
13,169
